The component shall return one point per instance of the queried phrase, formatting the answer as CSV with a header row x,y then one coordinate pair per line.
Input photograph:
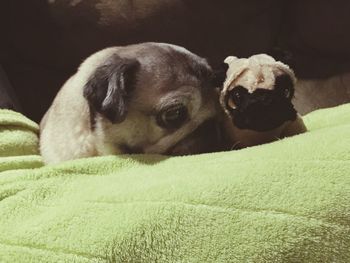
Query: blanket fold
x,y
287,201
19,144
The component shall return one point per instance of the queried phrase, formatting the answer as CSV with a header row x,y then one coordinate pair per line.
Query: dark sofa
x,y
43,41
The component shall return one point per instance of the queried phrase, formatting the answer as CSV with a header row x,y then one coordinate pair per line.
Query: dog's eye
x,y
173,117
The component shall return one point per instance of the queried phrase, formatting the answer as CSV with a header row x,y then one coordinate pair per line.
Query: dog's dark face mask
x,y
262,110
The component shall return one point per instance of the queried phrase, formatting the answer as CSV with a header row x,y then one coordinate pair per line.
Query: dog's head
x,y
146,98
258,92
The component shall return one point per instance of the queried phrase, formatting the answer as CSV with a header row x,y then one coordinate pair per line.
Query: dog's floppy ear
x,y
108,87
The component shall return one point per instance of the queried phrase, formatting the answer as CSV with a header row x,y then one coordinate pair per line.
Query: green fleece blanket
x,y
288,201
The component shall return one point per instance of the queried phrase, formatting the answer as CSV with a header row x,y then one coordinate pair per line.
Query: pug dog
x,y
257,99
142,98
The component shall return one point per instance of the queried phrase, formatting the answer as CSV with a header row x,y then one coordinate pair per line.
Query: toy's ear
x,y
220,72
237,66
108,87
285,68
230,59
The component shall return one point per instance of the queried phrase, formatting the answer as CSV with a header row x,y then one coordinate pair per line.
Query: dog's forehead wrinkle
x,y
170,100
152,89
186,96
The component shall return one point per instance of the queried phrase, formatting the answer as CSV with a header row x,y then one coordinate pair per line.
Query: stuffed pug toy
x,y
257,99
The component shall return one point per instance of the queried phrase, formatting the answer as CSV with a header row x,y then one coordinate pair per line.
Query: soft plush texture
x,y
288,201
18,142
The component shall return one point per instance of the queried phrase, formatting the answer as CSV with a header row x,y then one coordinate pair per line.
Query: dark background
x,y
43,41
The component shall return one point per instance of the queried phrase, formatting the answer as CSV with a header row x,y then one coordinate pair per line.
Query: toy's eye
x,y
285,86
287,92
235,97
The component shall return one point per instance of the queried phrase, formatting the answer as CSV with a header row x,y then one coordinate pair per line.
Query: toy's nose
x,y
259,102
265,100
